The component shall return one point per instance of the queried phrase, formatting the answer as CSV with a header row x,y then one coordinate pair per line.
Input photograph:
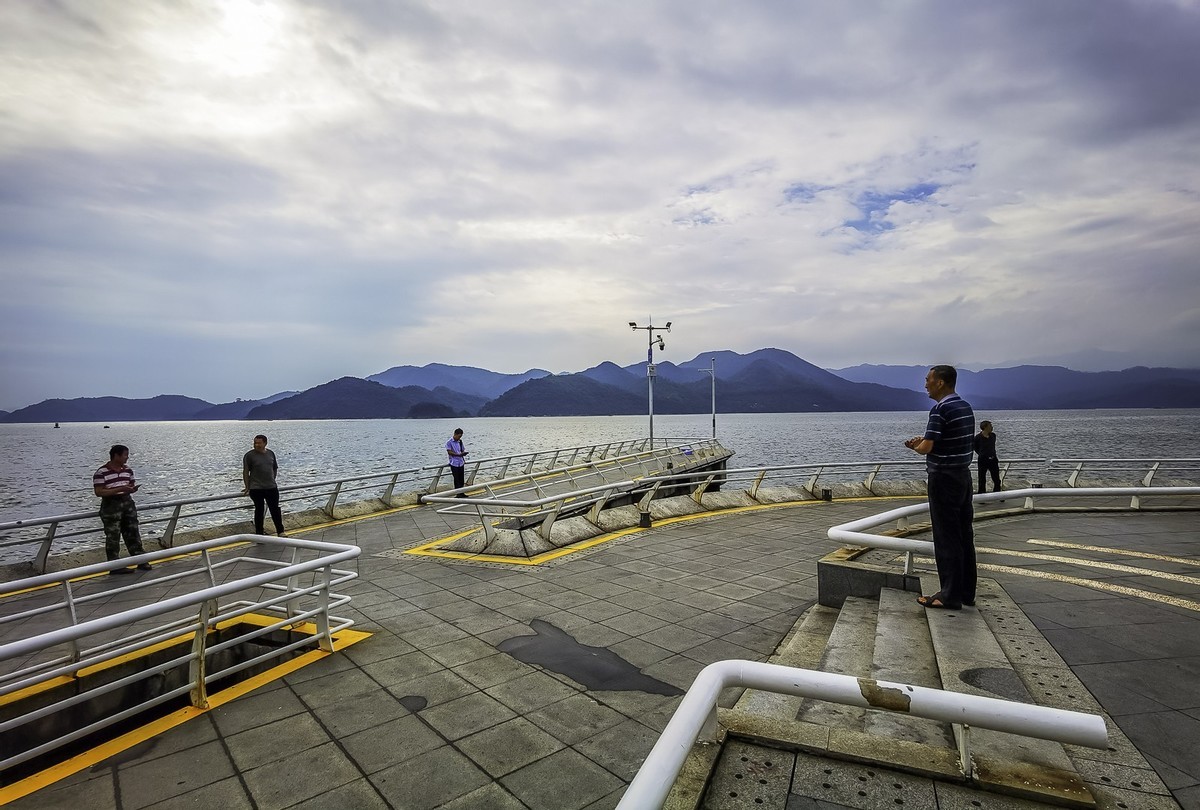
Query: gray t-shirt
x,y
262,468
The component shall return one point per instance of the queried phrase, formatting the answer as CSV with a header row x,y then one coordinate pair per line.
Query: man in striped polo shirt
x,y
948,447
114,485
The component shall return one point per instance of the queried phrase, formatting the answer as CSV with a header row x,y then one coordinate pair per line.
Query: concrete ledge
x,y
842,573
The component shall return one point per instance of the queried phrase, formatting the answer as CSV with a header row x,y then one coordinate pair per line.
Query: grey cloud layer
x,y
262,196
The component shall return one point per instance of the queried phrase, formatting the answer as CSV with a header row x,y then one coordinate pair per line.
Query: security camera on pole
x,y
651,372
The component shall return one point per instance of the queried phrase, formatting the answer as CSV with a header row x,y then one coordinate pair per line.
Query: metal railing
x,y
209,511
696,716
1141,470
291,591
855,532
528,496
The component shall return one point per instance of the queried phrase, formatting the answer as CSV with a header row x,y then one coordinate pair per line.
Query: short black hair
x,y
457,431
116,450
261,436
947,374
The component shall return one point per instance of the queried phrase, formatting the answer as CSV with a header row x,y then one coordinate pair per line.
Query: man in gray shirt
x,y
259,469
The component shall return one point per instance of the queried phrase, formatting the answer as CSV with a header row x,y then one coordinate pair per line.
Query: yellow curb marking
x,y
86,759
1177,601
433,547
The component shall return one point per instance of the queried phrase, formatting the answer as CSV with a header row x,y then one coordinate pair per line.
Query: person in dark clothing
x,y
946,446
457,453
985,456
259,468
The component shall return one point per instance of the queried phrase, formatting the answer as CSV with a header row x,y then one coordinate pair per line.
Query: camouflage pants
x,y
120,519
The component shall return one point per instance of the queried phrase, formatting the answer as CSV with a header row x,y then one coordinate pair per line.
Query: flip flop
x,y
936,603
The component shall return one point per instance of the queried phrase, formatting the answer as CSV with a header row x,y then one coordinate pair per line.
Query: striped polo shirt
x,y
108,478
952,429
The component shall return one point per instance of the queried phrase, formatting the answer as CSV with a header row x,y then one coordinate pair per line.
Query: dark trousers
x,y
987,465
460,475
268,498
951,511
120,520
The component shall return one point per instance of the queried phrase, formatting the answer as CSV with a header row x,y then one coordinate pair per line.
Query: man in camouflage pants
x,y
114,485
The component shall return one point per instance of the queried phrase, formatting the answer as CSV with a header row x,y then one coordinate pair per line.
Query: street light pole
x,y
651,371
712,372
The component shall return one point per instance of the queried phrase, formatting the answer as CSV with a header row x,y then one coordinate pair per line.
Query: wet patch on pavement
x,y
594,667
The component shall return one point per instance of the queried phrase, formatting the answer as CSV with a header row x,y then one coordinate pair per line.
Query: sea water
x,y
49,471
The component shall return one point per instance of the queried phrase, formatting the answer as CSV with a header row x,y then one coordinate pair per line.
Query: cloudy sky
x,y
230,199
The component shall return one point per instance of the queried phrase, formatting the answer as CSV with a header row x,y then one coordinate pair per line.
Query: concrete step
x,y
904,653
971,661
849,651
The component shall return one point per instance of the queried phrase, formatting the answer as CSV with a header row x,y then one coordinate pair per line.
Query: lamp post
x,y
651,372
712,372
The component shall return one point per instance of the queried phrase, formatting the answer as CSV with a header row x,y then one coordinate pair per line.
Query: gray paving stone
x,y
620,749
358,712
228,794
509,746
274,741
401,668
566,780
391,743
460,652
467,715
87,791
575,718
357,795
429,780
530,691
491,796
301,776
143,784
434,689
495,669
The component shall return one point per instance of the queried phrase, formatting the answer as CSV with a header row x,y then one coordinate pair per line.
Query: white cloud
x,y
350,186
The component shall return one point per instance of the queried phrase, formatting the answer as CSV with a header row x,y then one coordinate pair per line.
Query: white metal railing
x,y
528,496
696,716
1141,470
295,590
208,511
856,531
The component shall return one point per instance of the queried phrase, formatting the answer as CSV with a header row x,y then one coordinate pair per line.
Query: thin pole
x,y
713,373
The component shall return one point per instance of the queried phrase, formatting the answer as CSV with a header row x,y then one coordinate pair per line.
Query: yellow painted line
x,y
433,547
1105,566
1144,555
37,781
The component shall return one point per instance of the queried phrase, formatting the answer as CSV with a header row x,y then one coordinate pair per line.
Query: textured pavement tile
x,y
495,669
228,794
620,749
509,746
359,712
575,718
460,652
379,647
96,792
640,653
391,743
302,776
433,635
530,691
401,668
146,783
489,797
435,688
566,780
674,638
357,795
634,623
332,688
429,780
467,715
274,741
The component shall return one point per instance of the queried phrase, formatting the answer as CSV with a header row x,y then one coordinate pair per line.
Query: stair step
x,y
802,648
849,651
971,662
904,654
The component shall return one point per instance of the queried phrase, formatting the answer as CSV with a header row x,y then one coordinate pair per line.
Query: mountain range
x,y
763,381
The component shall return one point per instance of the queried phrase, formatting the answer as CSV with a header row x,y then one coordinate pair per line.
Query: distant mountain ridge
x,y
764,381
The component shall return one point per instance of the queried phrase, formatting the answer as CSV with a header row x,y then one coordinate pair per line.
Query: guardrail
x,y
855,532
696,716
490,506
205,512
503,499
296,592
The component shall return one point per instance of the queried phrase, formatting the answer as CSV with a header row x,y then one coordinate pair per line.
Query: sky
x,y
232,199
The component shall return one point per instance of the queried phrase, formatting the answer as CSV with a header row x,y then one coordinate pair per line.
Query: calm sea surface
x,y
50,469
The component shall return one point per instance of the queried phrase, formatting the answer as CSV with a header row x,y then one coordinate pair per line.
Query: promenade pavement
x,y
502,686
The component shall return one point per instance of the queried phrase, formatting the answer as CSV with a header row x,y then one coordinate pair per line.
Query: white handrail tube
x,y
652,784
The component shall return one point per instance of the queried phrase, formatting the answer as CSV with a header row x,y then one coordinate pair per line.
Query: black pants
x,y
951,511
268,498
987,465
460,475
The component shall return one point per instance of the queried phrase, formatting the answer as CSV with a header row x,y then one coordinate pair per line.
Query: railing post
x,y
325,638
1074,476
504,470
43,554
812,482
871,478
337,490
757,483
198,666
470,479
964,750
437,479
1150,475
489,531
391,488
69,598
168,538
529,466
548,522
593,515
